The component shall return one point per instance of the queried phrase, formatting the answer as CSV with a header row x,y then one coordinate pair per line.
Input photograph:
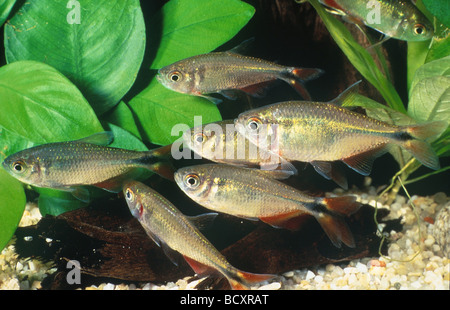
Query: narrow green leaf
x,y
12,205
159,109
98,45
360,58
39,105
195,27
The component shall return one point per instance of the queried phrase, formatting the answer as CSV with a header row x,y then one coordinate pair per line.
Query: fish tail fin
x,y
332,220
428,130
242,279
157,161
297,76
421,149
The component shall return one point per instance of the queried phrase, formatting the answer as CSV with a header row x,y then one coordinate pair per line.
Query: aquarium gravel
x,y
412,262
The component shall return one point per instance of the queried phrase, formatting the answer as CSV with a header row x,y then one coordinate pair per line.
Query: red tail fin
x,y
246,278
296,76
333,224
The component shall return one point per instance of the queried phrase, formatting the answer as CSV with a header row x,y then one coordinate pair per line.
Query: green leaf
x,y
195,27
122,116
430,92
98,45
440,9
159,109
39,105
5,9
360,58
12,205
55,202
124,139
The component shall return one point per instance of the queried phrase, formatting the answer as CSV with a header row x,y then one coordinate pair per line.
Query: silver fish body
x,y
168,227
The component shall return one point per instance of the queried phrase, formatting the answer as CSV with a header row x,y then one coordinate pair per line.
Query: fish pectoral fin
x,y
330,172
80,192
363,162
100,138
203,221
291,220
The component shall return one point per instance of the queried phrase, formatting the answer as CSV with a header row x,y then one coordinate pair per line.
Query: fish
x,y
175,232
321,133
221,143
399,19
250,194
226,72
72,165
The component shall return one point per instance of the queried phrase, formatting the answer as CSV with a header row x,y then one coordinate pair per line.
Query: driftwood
x,y
111,246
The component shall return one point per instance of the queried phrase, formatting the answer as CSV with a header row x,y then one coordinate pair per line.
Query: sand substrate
x,y
418,257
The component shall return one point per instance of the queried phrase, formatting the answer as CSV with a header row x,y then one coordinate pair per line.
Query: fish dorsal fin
x,y
202,221
99,138
242,47
362,163
347,96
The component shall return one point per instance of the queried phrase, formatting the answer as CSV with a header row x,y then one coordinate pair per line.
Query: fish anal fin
x,y
199,268
258,90
284,220
115,184
331,172
362,162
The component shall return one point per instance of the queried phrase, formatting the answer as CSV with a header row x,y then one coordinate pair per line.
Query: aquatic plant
x,y
74,68
428,81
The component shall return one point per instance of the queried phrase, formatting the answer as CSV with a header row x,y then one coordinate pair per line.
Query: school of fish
x,y
249,155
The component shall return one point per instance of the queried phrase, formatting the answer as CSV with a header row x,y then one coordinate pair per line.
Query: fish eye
x,y
129,195
175,76
419,29
192,180
253,123
19,166
200,137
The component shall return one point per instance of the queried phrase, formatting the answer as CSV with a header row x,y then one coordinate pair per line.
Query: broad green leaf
x,y
5,9
440,9
415,57
98,45
195,27
124,139
159,109
55,202
360,58
440,46
439,67
122,116
39,105
430,99
12,205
